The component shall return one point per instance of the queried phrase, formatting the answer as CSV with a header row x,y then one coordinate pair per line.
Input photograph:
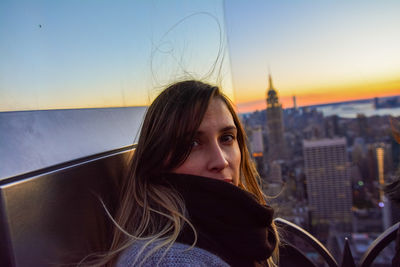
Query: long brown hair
x,y
150,211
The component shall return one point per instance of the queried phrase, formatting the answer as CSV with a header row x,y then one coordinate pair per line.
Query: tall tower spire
x,y
272,95
276,142
271,87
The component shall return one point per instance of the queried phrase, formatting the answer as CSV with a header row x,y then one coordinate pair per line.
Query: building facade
x,y
328,182
257,148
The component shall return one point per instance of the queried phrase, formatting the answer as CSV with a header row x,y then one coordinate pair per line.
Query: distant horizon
x,y
243,108
238,105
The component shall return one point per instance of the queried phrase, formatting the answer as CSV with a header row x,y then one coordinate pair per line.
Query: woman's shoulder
x,y
177,255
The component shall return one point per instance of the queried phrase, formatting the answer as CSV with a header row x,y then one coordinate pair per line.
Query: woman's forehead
x,y
217,115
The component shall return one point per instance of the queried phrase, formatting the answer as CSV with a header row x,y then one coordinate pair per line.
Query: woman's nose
x,y
217,160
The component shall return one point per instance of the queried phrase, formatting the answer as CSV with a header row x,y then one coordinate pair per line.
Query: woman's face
x,y
215,151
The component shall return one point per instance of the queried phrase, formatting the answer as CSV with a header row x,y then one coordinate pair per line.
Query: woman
x,y
191,196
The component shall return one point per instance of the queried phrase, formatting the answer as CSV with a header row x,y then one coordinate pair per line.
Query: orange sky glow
x,y
322,95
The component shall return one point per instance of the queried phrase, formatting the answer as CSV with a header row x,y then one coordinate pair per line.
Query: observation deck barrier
x,y
54,216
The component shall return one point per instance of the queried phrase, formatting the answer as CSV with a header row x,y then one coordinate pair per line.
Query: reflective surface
x,y
32,140
55,217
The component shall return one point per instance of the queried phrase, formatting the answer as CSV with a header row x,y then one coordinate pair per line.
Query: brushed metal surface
x,y
31,140
55,217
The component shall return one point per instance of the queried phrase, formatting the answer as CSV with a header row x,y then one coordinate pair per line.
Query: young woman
x,y
192,195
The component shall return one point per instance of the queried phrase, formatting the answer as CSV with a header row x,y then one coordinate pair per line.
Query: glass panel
x,y
80,54
317,85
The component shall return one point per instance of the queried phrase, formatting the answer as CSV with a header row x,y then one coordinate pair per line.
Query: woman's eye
x,y
195,143
227,138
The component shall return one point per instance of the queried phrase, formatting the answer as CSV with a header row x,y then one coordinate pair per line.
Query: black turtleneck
x,y
228,220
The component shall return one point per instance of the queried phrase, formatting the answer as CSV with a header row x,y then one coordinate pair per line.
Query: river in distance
x,y
350,110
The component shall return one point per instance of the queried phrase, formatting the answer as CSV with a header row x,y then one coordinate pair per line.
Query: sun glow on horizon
x,y
324,95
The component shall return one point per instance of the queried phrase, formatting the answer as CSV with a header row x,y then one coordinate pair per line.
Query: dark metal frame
x,y
310,239
369,256
54,216
378,245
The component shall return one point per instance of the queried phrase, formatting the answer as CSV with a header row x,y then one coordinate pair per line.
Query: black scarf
x,y
230,223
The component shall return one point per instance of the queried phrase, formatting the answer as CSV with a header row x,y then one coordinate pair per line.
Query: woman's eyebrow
x,y
225,129
229,128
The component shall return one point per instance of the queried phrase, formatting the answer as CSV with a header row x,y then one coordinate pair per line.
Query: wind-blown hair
x,y
152,212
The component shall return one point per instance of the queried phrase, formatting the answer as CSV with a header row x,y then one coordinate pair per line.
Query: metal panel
x,y
54,216
32,140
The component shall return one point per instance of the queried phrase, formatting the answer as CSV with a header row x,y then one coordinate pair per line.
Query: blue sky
x,y
97,53
69,54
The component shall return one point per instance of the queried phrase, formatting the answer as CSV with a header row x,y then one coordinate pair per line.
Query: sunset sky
x,y
103,53
319,51
79,54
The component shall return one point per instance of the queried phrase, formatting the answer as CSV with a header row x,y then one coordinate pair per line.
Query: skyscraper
x,y
384,201
294,103
328,182
276,141
257,148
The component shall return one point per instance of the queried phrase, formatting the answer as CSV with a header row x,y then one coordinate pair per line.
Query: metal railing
x,y
347,259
